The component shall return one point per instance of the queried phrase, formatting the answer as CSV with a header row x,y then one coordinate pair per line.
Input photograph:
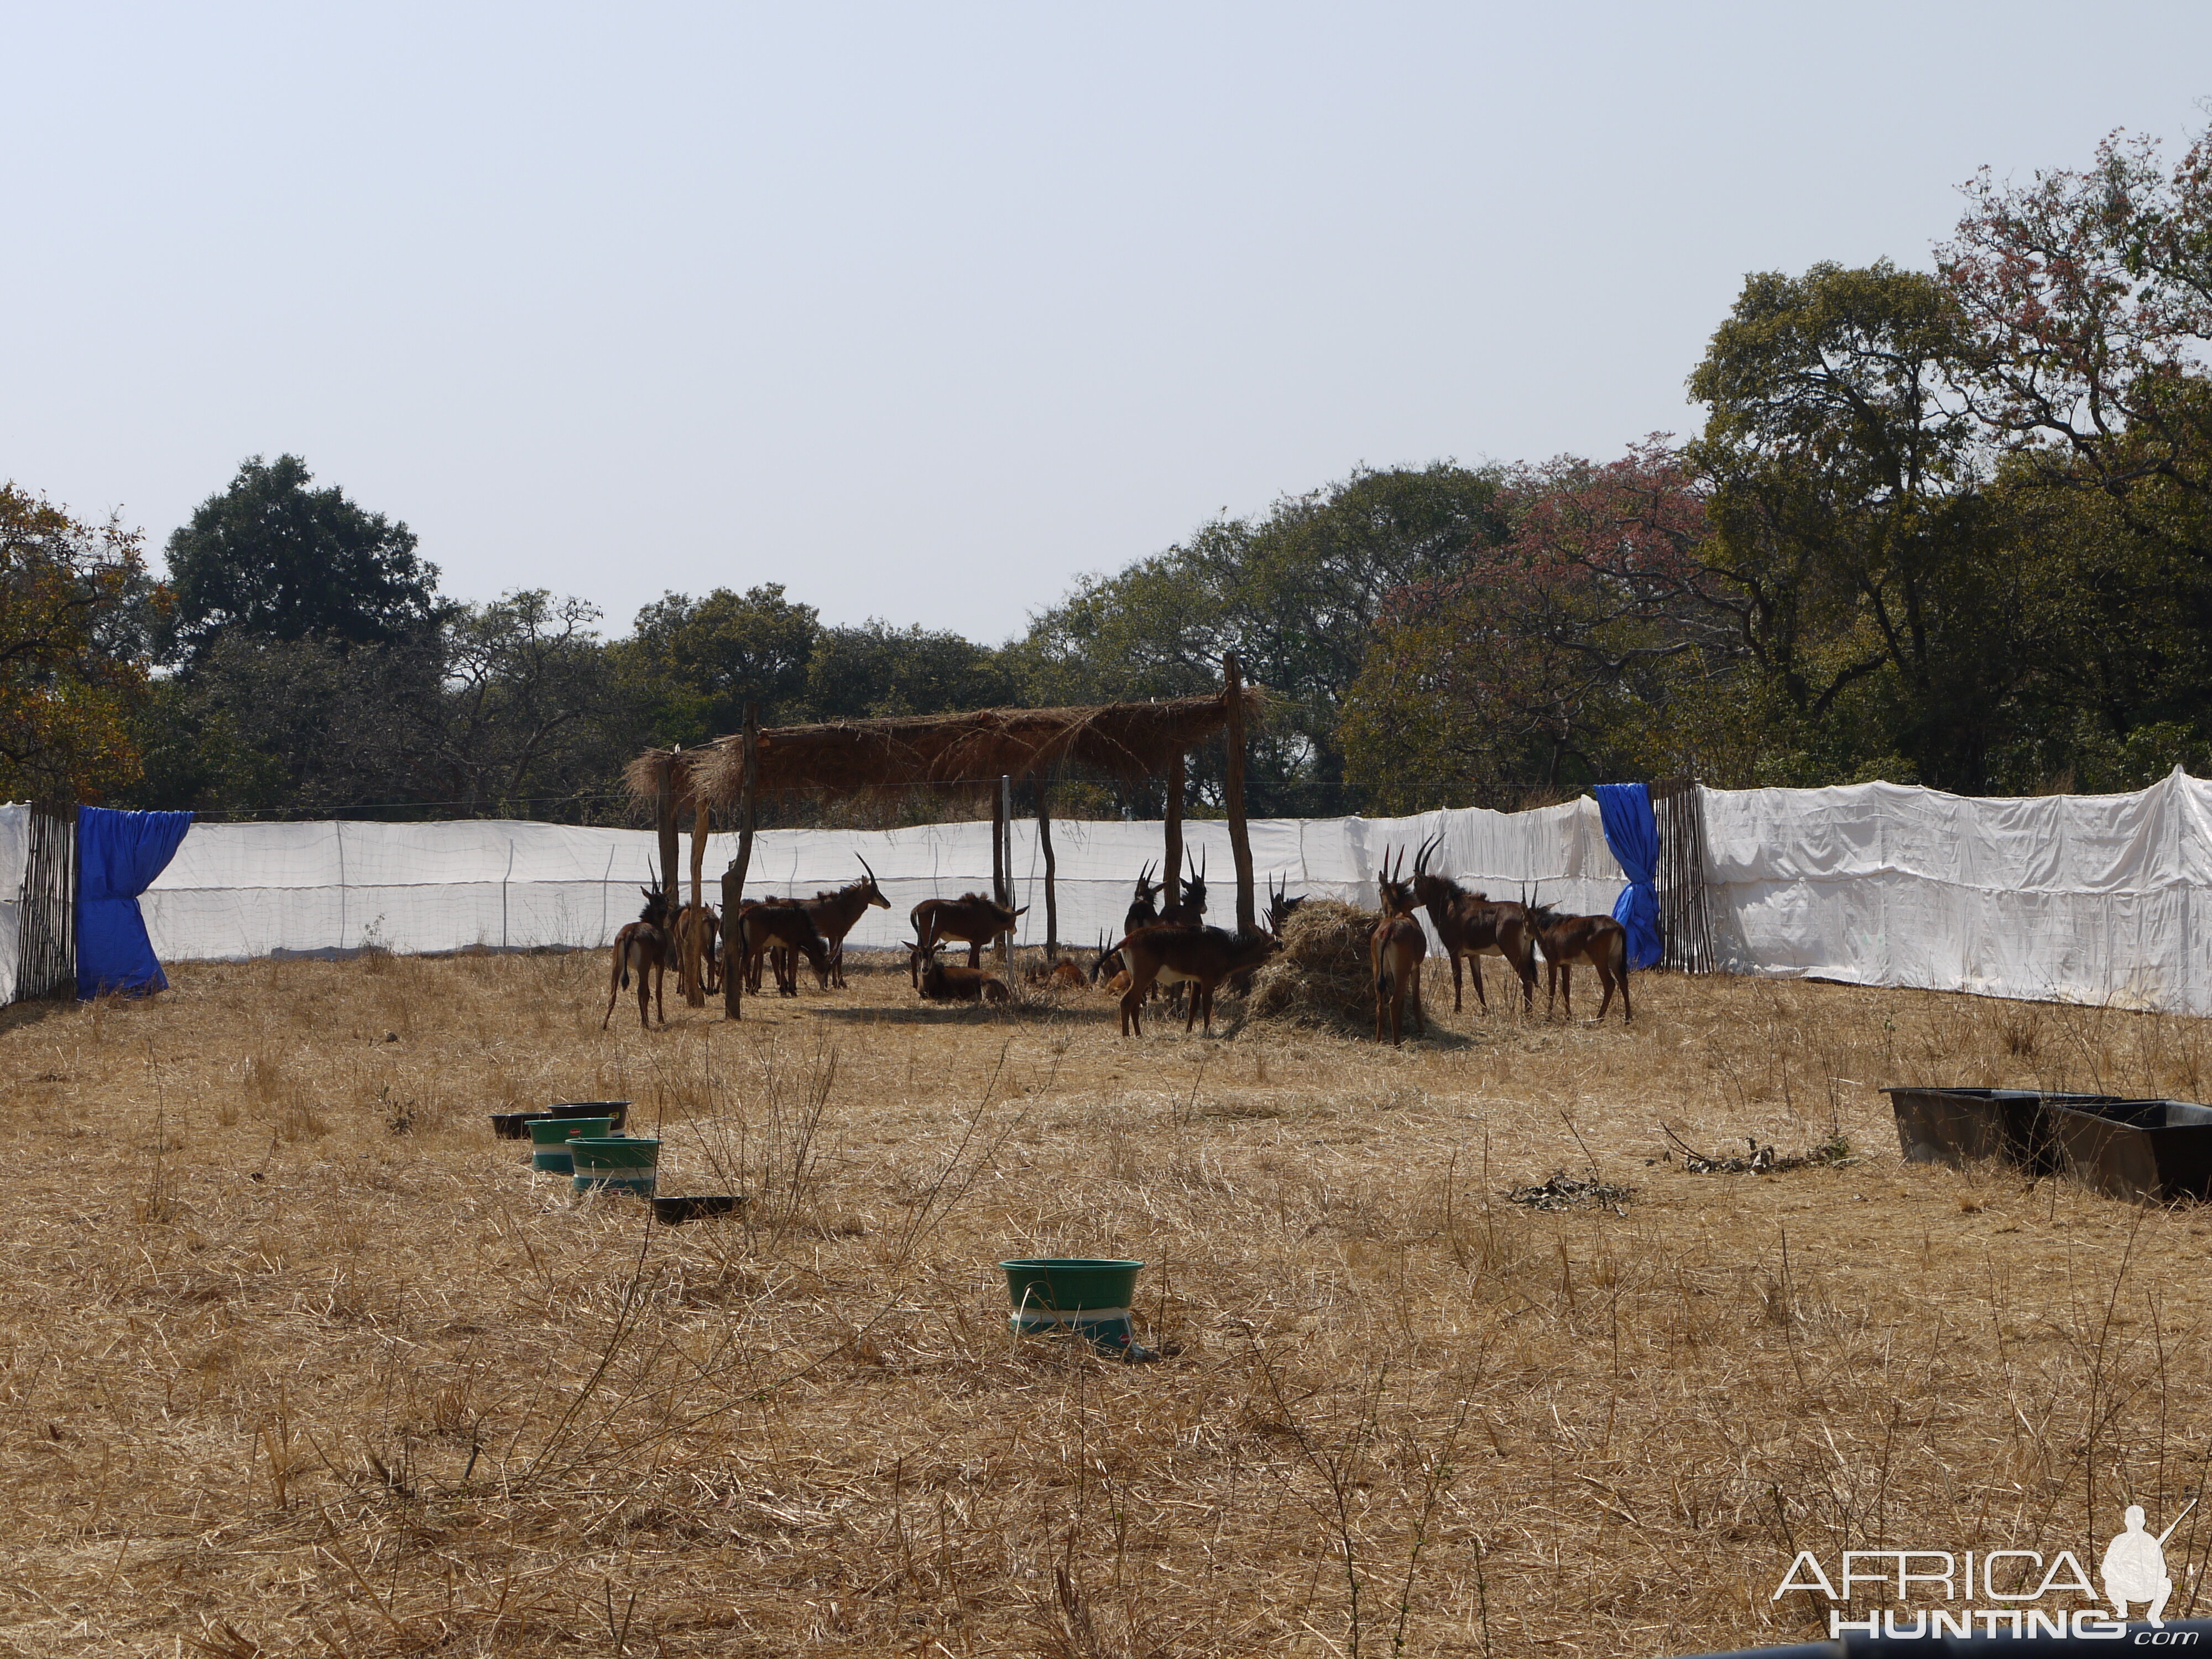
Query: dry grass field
x,y
295,1358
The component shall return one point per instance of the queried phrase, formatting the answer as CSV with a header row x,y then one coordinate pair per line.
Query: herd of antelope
x,y
1165,949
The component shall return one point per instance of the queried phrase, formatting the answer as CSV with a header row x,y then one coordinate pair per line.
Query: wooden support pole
x,y
1173,881
1002,858
1051,898
1240,841
734,878
664,811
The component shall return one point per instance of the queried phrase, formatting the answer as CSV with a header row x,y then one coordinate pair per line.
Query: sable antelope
x,y
1060,976
1175,954
642,947
834,913
1599,940
1145,912
1394,950
938,983
1189,909
1281,906
697,935
971,918
773,922
1470,924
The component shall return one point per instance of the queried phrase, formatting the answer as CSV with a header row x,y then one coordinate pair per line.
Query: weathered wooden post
x,y
1002,859
1240,842
734,878
664,812
1051,898
1173,883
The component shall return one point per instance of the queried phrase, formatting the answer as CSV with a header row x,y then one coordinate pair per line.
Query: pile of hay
x,y
1322,976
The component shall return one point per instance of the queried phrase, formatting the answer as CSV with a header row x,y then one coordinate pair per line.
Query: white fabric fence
x,y
15,863
2101,899
239,891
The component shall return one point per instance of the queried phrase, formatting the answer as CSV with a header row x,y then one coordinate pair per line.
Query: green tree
x,y
877,669
1854,535
270,557
74,598
698,661
1297,594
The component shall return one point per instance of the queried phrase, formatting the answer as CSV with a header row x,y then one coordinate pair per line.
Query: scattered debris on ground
x,y
1833,1153
1567,1191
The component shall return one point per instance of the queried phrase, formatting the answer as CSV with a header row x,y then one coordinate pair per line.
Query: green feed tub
x,y
1073,1296
615,1163
549,1137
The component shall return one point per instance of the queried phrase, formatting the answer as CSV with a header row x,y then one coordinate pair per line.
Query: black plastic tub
x,y
2151,1151
515,1126
1960,1126
700,1207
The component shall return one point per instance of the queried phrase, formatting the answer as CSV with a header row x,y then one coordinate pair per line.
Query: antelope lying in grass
x,y
1172,954
1394,950
1059,976
835,913
771,923
642,948
938,983
1599,940
1469,925
971,918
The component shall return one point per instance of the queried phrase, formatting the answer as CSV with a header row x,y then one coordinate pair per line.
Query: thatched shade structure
x,y
1122,739
1129,740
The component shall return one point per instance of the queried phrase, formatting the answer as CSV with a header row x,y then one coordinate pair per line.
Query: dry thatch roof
x,y
1125,740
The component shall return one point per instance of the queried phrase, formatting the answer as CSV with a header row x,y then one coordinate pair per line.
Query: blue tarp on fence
x,y
1631,832
118,856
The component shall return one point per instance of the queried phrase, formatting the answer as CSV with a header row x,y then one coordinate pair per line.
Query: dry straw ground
x,y
296,1359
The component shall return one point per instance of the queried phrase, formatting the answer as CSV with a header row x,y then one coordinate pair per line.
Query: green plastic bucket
x,y
549,1137
620,1163
1073,1296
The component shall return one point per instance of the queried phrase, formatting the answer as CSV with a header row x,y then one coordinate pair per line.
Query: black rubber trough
x,y
700,1206
515,1126
2151,1151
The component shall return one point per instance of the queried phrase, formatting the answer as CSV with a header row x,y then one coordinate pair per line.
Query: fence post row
x,y
46,963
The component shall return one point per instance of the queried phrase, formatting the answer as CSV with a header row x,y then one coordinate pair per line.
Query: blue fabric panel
x,y
118,856
1631,832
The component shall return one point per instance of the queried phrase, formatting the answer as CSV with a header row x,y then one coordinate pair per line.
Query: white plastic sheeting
x,y
252,890
2103,899
14,860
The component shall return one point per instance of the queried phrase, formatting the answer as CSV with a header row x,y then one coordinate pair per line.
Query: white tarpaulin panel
x,y
2086,899
14,860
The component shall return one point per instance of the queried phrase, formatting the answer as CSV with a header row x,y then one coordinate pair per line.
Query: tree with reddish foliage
x,y
2088,299
1560,652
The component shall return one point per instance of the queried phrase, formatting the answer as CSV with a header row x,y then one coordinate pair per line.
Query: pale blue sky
x,y
924,310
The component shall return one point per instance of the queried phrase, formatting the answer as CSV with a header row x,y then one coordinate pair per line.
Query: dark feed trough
x,y
2147,1150
2151,1151
703,1206
515,1126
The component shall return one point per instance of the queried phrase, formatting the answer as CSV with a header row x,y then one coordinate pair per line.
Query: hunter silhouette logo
x,y
2005,1592
2135,1567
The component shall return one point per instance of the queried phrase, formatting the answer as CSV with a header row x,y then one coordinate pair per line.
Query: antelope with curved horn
x,y
971,918
1598,940
1175,954
1144,911
642,948
1394,950
1189,909
1472,927
835,913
